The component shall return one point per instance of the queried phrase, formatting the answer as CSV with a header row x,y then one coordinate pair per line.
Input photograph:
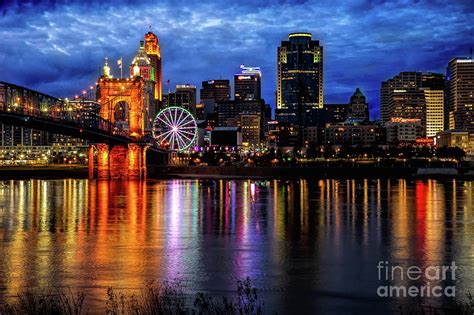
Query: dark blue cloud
x,y
58,46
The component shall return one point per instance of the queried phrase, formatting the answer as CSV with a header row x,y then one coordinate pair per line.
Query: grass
x,y
170,298
44,303
166,298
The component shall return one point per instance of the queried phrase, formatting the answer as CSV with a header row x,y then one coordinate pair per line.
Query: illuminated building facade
x,y
456,138
414,95
19,136
248,83
142,66
434,101
460,93
403,130
251,127
152,49
299,78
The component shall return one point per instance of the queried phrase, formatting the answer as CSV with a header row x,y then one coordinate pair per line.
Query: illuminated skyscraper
x,y
142,66
414,95
248,83
152,49
460,93
299,78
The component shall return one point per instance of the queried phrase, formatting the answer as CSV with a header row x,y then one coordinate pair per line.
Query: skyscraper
x,y
248,83
358,107
460,93
299,78
142,66
213,91
414,95
153,52
185,96
217,90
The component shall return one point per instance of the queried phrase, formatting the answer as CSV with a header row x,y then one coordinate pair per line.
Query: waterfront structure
x,y
153,52
353,134
456,138
248,83
403,131
19,136
414,95
21,145
299,78
460,93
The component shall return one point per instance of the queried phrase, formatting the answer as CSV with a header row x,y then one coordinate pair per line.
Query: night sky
x,y
57,47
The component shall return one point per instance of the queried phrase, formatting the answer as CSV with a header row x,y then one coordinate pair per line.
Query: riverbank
x,y
44,172
238,172
234,172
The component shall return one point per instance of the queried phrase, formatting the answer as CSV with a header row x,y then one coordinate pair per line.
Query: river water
x,y
309,246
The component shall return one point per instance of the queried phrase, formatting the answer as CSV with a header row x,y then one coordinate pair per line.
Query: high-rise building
x,y
414,95
152,48
299,78
460,93
251,127
248,83
335,113
434,101
142,66
230,113
185,96
217,90
358,107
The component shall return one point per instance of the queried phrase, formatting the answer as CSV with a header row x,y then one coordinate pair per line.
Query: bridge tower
x,y
122,103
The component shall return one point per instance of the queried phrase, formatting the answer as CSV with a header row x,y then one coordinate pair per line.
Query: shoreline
x,y
231,172
236,172
44,172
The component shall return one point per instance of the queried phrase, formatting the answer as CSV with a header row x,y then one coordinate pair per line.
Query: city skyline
x,y
62,46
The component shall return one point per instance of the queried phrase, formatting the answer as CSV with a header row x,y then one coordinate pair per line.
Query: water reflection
x,y
313,244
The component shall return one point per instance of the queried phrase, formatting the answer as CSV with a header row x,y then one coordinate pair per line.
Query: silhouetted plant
x,y
31,302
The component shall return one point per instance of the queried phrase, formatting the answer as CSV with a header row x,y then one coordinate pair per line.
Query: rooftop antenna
x,y
149,28
470,53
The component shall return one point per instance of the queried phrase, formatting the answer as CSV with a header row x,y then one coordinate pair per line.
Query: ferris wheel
x,y
174,128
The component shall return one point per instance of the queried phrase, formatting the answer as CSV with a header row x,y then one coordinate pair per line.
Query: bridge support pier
x,y
118,161
90,159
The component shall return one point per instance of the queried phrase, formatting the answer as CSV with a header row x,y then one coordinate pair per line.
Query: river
x,y
308,245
